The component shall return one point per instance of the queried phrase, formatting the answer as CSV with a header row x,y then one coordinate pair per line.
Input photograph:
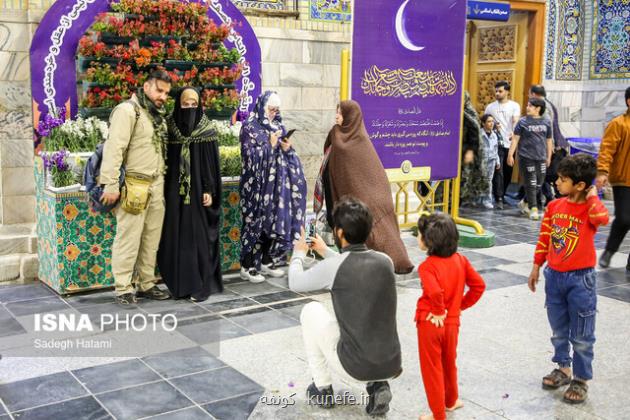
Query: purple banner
x,y
407,71
53,50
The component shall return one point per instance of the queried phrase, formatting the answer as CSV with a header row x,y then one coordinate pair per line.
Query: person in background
x,y
491,149
532,139
560,144
352,167
506,112
474,183
189,256
566,244
613,166
272,189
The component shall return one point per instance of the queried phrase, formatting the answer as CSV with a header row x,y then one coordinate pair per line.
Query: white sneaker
x,y
487,205
533,214
270,271
524,207
252,275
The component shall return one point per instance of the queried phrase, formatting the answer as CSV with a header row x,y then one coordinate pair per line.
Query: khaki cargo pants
x,y
134,252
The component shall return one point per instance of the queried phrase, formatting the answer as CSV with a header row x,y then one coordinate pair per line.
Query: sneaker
x,y
126,299
154,293
324,397
522,205
271,270
379,397
487,205
499,205
252,275
533,214
604,260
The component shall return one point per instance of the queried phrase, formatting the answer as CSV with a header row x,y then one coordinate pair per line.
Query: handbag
x,y
135,194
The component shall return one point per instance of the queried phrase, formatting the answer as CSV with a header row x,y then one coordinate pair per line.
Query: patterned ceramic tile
x,y
331,10
610,48
74,243
570,40
552,18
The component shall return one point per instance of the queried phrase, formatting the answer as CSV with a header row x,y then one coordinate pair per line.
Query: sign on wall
x,y
407,71
486,10
53,50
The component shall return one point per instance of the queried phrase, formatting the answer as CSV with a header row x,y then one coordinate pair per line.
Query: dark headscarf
x,y
187,119
187,126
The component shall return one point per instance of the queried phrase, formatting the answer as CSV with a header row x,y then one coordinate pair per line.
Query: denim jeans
x,y
571,302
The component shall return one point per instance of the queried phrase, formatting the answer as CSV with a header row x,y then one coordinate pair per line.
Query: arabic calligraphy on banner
x,y
407,71
408,83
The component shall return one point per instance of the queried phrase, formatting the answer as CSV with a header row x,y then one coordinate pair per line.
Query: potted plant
x,y
90,51
62,178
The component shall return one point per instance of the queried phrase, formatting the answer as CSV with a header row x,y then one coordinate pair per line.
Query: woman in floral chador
x,y
273,191
188,257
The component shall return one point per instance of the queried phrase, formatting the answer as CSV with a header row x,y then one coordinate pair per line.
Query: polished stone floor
x,y
240,354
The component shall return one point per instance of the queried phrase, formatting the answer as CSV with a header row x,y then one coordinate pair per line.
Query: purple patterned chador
x,y
273,190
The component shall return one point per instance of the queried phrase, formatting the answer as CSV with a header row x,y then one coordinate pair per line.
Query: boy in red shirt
x,y
566,243
443,275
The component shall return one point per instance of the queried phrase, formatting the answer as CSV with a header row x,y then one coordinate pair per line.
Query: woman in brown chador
x,y
352,167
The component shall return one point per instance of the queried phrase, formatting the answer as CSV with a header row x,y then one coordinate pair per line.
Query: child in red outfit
x,y
443,275
566,243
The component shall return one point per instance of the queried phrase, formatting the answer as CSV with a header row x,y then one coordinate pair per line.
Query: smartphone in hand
x,y
288,135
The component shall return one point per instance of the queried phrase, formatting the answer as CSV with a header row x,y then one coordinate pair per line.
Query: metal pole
x,y
344,88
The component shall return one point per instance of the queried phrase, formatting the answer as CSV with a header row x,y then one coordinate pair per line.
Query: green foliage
x,y
230,157
80,135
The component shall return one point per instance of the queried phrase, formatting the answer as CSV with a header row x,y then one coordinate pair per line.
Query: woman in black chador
x,y
189,258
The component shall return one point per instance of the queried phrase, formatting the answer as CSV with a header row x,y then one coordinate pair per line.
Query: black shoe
x,y
628,265
324,397
604,259
379,397
154,293
126,299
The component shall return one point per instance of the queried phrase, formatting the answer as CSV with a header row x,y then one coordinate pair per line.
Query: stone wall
x,y
587,98
17,199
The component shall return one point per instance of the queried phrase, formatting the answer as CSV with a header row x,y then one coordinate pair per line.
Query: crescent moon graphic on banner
x,y
401,33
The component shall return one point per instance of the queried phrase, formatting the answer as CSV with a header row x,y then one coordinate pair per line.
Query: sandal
x,y
557,377
576,388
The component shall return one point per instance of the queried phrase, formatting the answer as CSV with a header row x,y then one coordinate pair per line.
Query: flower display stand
x,y
74,243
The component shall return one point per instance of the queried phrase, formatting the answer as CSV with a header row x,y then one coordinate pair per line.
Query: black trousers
x,y
621,224
249,260
498,180
505,168
533,173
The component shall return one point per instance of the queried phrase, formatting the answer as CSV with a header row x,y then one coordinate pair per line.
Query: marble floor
x,y
240,354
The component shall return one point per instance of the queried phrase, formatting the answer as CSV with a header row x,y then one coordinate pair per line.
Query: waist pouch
x,y
135,195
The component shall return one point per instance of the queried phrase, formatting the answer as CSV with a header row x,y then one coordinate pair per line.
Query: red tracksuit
x,y
443,281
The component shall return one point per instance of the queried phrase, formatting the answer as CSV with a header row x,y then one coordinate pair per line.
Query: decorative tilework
x,y
74,243
497,44
261,4
610,48
552,17
331,10
570,40
485,83
231,226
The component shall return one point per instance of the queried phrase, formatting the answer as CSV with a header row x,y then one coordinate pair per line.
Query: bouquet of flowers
x,y
57,165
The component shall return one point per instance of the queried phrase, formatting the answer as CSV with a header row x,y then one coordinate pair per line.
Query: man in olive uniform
x,y
137,136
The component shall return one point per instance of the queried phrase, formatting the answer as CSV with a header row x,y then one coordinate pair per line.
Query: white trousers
x,y
321,335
